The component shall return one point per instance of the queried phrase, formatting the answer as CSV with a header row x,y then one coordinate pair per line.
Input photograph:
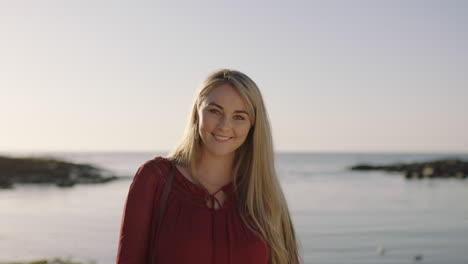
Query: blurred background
x,y
111,83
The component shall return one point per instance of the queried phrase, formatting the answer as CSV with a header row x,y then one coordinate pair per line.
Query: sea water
x,y
340,216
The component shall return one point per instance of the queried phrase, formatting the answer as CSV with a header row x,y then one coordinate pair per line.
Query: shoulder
x,y
154,169
149,178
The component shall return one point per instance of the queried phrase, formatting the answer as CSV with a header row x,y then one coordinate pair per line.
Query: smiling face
x,y
223,121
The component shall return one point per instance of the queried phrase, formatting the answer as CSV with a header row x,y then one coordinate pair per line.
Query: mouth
x,y
221,138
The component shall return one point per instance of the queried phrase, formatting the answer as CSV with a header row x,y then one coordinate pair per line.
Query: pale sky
x,y
364,76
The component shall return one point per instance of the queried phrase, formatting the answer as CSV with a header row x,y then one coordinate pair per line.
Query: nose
x,y
224,123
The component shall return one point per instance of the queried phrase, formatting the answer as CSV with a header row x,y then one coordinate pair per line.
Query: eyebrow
x,y
237,111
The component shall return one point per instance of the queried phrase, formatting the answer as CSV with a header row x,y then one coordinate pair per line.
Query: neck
x,y
214,171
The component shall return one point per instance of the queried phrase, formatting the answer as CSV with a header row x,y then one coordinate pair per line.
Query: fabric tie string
x,y
213,199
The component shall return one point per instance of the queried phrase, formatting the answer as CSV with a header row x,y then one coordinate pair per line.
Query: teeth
x,y
221,138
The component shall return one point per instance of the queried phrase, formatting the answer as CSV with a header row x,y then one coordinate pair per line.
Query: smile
x,y
221,139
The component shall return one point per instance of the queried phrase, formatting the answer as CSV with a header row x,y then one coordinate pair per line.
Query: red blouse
x,y
191,232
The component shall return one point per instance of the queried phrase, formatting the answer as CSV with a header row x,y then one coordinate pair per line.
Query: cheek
x,y
206,123
243,131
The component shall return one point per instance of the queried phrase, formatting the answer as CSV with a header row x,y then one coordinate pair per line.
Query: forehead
x,y
226,96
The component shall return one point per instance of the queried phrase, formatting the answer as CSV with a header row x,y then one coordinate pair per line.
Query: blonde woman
x,y
216,198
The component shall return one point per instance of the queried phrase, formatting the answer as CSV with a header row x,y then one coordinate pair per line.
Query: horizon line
x,y
277,151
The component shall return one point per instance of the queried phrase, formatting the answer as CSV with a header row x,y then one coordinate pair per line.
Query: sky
x,y
336,76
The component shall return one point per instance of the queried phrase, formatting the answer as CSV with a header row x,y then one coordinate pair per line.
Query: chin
x,y
221,152
217,151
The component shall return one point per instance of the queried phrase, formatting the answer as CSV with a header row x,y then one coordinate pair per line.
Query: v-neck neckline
x,y
200,188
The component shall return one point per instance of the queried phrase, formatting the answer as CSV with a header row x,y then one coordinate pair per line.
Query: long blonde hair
x,y
260,199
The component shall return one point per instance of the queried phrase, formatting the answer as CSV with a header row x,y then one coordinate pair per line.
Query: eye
x,y
214,111
238,117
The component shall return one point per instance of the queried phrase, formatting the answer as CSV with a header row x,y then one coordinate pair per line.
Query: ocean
x,y
340,216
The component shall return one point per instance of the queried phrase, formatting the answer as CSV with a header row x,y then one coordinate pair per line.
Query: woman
x,y
225,203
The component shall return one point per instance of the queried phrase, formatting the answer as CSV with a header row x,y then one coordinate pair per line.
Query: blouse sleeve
x,y
136,230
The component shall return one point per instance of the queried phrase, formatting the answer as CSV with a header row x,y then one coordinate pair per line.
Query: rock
x,y
363,167
51,261
460,175
5,183
448,168
428,171
47,170
415,175
418,257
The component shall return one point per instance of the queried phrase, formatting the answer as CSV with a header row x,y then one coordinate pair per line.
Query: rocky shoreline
x,y
447,168
49,261
49,170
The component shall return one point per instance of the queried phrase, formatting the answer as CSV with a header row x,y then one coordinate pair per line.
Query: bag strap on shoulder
x,y
162,208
